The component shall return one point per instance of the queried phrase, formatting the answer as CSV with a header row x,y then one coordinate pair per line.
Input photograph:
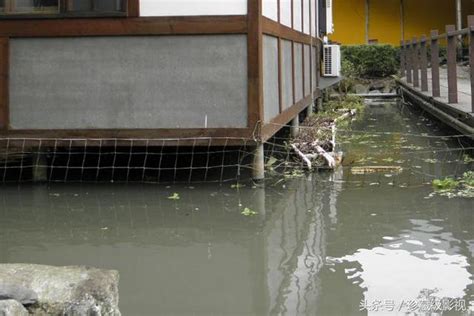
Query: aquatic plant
x,y
450,187
175,196
248,212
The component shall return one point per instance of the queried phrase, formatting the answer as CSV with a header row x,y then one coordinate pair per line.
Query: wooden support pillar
x,y
402,59
409,63
423,64
258,165
435,64
452,66
40,168
470,23
4,76
295,126
415,62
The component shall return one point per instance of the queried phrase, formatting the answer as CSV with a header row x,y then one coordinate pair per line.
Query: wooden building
x,y
230,71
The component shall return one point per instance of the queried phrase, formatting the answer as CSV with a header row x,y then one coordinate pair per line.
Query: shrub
x,y
370,61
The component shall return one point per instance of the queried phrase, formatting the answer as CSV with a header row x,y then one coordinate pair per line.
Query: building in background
x,y
389,21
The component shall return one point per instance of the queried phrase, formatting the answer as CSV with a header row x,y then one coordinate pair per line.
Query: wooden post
x,y
470,23
435,64
423,64
452,67
4,77
409,68
403,65
258,165
416,63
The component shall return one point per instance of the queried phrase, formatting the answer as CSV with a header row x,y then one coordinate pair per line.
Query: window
x,y
62,8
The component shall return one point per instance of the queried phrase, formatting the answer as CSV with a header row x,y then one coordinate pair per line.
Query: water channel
x,y
320,244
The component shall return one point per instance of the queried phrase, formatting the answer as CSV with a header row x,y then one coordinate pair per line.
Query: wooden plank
x,y
470,23
120,26
403,65
409,60
4,86
276,29
415,63
268,130
452,66
133,8
423,64
255,65
435,84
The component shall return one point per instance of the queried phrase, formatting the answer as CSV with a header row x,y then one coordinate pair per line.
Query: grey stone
x,y
361,89
12,308
11,291
66,290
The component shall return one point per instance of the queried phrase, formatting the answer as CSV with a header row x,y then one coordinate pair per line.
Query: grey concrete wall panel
x,y
129,82
298,72
307,70
287,73
270,78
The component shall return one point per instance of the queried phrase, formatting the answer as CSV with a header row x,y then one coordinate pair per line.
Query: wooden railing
x,y
414,60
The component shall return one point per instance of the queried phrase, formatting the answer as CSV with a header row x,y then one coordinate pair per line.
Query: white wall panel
x,y
271,95
270,9
285,12
313,17
297,18
306,18
192,7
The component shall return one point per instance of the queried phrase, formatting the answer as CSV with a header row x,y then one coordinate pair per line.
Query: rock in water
x,y
66,290
12,308
17,292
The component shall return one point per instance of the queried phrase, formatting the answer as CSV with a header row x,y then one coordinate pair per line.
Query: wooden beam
x,y
276,29
435,84
4,86
452,66
120,26
133,8
470,24
255,67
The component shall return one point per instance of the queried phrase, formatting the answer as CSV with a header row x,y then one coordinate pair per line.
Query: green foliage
x,y
175,197
370,61
461,187
445,184
248,212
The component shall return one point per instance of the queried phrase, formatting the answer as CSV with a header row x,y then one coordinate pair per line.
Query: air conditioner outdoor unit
x,y
332,61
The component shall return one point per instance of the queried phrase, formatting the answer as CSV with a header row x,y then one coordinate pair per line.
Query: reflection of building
x,y
231,71
197,254
388,21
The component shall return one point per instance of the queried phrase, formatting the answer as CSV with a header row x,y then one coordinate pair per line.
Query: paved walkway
x,y
464,88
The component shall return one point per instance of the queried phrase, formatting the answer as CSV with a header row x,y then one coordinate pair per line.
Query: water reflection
x,y
195,255
318,245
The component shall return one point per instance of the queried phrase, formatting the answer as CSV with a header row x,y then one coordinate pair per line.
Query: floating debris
x,y
248,212
175,196
376,169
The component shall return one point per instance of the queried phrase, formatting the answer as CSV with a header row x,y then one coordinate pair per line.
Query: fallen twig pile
x,y
316,143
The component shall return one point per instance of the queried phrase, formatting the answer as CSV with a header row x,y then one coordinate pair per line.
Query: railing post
x,y
423,64
403,62
435,64
416,63
409,63
470,23
452,67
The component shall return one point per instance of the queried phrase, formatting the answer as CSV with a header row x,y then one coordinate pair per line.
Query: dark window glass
x,y
35,6
96,6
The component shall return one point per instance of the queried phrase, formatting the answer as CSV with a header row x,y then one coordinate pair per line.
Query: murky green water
x,y
319,245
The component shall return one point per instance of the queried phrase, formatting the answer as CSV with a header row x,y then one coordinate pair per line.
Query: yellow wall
x,y
421,16
349,21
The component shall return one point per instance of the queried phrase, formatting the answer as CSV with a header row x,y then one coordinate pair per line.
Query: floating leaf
x,y
248,212
175,196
